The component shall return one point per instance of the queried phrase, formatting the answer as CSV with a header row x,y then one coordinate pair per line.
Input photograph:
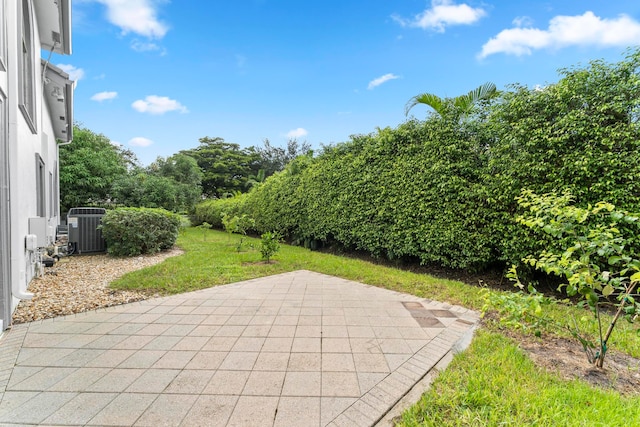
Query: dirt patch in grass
x,y
272,262
566,358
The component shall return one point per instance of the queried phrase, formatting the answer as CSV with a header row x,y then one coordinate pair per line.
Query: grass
x,y
213,260
493,383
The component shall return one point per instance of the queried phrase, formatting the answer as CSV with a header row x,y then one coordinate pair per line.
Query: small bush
x,y
204,227
135,231
593,258
239,225
270,244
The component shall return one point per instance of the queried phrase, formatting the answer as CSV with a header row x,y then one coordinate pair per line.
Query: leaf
x,y
608,290
430,99
614,260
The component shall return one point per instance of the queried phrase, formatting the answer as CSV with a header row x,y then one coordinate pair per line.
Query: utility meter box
x,y
31,242
84,234
38,227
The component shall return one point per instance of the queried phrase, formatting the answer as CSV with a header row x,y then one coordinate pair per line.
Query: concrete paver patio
x,y
295,349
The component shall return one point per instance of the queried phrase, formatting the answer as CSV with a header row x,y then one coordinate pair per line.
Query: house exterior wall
x,y
28,162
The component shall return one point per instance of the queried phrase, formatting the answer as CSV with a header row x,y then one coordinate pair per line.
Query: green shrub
x,y
276,205
205,226
239,225
411,192
269,245
211,211
593,259
135,231
580,134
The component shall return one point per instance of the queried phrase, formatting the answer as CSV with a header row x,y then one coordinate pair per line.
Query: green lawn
x,y
493,383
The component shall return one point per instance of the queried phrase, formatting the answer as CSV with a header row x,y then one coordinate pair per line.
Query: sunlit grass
x,y
211,259
493,383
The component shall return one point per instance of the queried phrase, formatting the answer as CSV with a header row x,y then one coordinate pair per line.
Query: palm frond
x,y
483,92
430,99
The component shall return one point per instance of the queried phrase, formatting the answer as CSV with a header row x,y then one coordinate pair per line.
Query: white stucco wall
x,y
23,147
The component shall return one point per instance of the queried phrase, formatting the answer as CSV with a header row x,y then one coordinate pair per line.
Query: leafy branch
x,y
592,258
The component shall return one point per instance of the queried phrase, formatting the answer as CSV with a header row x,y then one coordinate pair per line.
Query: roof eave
x,y
58,91
54,24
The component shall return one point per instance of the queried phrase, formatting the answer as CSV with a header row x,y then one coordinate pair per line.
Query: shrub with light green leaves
x,y
592,258
269,245
239,225
211,211
135,231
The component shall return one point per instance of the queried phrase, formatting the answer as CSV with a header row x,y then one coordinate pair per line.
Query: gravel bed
x,y
81,283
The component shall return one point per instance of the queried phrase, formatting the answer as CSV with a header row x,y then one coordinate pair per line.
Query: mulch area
x,y
80,283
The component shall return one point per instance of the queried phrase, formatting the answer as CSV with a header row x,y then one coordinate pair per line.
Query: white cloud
x,y
153,104
116,143
297,133
75,74
382,79
136,16
581,30
442,14
103,96
140,141
522,21
140,46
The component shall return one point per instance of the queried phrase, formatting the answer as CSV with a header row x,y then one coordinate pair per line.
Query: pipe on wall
x,y
16,288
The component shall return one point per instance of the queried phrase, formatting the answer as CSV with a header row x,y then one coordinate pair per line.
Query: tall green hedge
x,y
579,134
442,191
211,211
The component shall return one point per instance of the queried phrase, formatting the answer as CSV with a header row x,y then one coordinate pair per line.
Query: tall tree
x,y
88,168
184,172
141,189
180,167
225,166
274,159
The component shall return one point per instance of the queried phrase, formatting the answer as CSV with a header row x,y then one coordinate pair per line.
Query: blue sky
x,y
157,75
